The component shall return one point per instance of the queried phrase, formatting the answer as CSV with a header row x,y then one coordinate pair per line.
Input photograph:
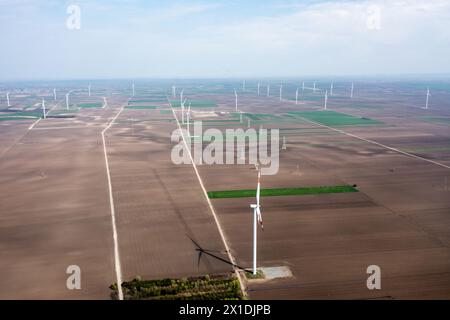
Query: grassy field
x,y
90,105
142,107
218,287
150,100
280,192
333,118
195,104
21,115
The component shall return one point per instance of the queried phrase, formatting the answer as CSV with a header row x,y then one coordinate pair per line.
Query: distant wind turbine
x,y
268,90
174,91
243,85
188,116
296,96
259,84
351,92
326,100
303,85
281,92
428,98
89,89
314,88
7,99
67,101
331,88
132,87
54,93
105,103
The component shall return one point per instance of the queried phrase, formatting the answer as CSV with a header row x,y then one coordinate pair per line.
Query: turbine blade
x,y
258,213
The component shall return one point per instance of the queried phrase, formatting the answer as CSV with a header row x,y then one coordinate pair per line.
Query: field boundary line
x,y
117,264
211,207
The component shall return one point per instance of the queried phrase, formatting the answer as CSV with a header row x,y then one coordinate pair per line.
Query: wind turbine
x,y
7,99
428,98
314,88
351,93
268,90
281,92
326,100
296,96
132,87
243,86
331,88
67,101
105,103
257,217
259,84
89,89
303,86
43,108
174,91
54,93
236,99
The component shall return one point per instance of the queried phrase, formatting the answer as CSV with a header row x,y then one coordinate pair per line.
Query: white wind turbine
x,y
331,88
174,91
351,92
7,99
259,84
257,217
243,85
89,89
54,94
105,103
182,106
281,92
428,98
326,100
303,86
268,90
132,87
314,87
67,101
296,96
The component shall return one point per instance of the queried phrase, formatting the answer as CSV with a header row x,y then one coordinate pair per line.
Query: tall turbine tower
x,y
326,100
351,92
174,91
314,88
132,87
331,88
89,89
67,101
303,86
281,92
259,84
268,90
428,98
296,96
257,217
7,99
54,94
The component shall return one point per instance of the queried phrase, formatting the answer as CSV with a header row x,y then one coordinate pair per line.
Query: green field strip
x,y
226,194
142,107
224,287
147,100
90,105
195,104
333,118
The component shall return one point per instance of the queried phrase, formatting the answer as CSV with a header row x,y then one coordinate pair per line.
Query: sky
x,y
222,39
